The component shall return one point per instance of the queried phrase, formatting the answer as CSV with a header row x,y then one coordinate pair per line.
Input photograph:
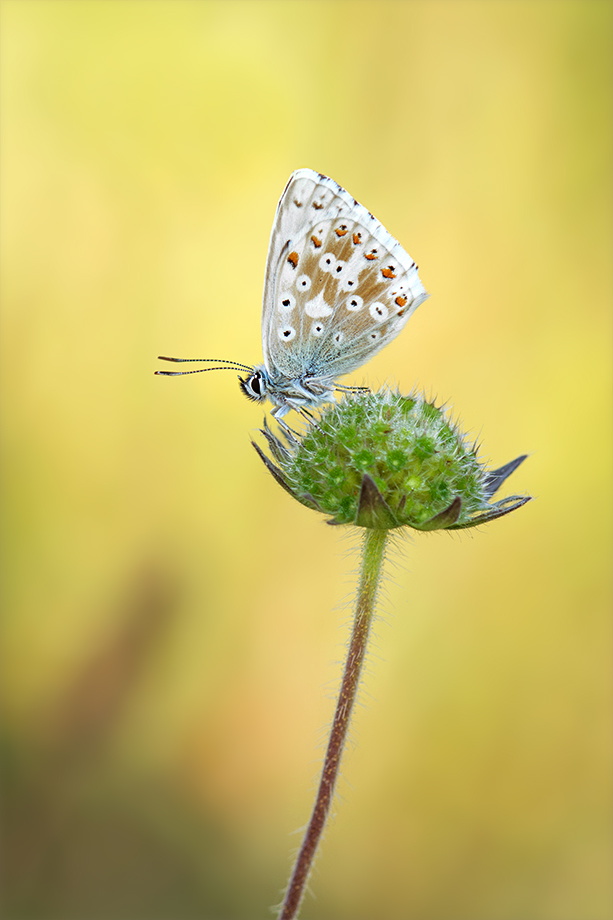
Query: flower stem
x,y
373,551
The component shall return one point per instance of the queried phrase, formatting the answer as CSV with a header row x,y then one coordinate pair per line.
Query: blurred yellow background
x,y
173,623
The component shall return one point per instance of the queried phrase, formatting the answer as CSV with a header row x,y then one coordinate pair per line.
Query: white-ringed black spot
x,y
286,333
349,284
379,312
354,303
287,302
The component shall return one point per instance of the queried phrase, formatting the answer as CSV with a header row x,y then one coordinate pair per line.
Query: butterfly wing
x,y
306,195
340,287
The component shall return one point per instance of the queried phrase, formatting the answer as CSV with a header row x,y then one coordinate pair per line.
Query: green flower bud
x,y
383,460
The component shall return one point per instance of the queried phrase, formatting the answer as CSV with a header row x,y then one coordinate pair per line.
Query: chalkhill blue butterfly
x,y
338,289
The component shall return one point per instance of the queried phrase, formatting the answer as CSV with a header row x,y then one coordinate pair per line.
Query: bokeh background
x,y
173,623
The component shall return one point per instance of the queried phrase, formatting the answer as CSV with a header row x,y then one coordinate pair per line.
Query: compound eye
x,y
254,386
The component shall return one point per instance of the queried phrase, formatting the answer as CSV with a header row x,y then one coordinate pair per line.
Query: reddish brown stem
x,y
372,559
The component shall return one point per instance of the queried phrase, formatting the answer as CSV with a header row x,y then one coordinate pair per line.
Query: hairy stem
x,y
370,575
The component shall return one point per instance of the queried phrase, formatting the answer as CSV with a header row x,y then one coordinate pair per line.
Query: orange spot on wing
x,y
371,255
401,301
316,243
388,272
357,239
293,259
342,230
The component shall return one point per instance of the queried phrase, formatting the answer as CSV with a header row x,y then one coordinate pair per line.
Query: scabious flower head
x,y
383,460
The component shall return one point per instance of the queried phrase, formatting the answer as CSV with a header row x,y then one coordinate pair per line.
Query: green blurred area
x,y
173,623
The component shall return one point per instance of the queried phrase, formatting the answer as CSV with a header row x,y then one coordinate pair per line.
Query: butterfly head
x,y
255,385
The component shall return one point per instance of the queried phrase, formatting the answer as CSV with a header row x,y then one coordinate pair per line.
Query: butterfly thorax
x,y
285,393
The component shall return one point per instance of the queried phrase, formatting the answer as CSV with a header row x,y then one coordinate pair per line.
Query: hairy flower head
x,y
382,460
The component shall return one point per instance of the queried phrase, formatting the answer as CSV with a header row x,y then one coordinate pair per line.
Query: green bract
x,y
383,460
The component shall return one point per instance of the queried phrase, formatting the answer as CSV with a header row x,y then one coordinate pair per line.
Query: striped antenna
x,y
224,364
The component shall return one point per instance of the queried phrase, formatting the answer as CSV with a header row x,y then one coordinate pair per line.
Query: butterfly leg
x,y
309,417
277,413
343,389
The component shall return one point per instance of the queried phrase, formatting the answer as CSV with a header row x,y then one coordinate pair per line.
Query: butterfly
x,y
338,288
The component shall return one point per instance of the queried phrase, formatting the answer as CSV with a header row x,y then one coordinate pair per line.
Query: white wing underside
x,y
338,286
